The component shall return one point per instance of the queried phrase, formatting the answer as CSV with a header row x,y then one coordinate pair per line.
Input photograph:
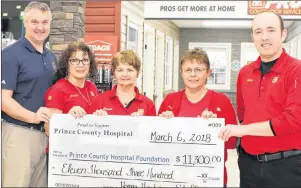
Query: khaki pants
x,y
23,157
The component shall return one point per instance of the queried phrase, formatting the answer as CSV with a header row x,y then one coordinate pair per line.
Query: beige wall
x,y
134,11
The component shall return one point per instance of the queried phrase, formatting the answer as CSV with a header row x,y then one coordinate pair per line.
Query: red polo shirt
x,y
63,96
274,97
218,103
110,102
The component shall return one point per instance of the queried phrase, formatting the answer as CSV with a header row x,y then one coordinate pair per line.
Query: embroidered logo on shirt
x,y
218,109
91,93
250,80
73,95
49,98
275,80
104,108
3,82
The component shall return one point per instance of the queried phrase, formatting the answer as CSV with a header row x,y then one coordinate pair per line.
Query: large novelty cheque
x,y
124,151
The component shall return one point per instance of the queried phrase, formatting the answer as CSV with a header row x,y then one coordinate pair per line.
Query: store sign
x,y
219,9
104,47
278,7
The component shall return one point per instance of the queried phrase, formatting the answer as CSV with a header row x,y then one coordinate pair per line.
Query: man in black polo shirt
x,y
27,70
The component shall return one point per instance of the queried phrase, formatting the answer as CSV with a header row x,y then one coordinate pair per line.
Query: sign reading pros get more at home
x,y
219,9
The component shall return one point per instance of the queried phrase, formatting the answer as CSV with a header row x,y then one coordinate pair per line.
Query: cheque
x,y
123,151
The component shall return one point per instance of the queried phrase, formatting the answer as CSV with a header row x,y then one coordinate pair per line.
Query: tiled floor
x,y
232,169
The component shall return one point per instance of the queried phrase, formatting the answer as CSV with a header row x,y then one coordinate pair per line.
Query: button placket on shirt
x,y
263,85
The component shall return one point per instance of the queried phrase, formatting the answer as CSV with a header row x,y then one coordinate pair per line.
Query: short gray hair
x,y
43,7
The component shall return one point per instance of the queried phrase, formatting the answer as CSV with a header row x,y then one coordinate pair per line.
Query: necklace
x,y
87,100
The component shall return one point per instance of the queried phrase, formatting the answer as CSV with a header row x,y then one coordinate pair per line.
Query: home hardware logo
x,y
278,7
99,45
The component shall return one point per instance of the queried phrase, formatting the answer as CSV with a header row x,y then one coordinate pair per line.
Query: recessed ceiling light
x,y
4,14
18,7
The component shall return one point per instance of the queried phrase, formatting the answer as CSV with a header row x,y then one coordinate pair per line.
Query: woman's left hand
x,y
208,114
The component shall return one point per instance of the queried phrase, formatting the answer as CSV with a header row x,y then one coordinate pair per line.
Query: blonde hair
x,y
126,57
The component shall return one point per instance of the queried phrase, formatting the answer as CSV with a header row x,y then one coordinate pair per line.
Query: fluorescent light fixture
x,y
218,24
4,14
226,23
18,7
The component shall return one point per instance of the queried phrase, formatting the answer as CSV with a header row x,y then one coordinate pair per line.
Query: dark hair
x,y
279,18
128,57
199,55
63,65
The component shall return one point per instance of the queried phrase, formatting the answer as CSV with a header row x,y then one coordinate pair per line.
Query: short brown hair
x,y
126,57
199,55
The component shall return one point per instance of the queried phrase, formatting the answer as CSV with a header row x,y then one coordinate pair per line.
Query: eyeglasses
x,y
196,71
85,61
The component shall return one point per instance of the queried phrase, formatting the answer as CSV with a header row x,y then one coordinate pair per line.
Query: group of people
x,y
268,101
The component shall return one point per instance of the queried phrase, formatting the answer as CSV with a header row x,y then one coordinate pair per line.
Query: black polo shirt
x,y
28,73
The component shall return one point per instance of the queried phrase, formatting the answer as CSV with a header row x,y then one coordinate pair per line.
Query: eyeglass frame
x,y
82,61
189,71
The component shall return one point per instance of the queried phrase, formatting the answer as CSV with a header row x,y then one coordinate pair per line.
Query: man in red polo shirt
x,y
269,107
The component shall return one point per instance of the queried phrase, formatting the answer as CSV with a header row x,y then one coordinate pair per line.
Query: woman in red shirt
x,y
124,98
73,93
196,100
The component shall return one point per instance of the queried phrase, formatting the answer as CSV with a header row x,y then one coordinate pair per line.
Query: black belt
x,y
38,127
274,156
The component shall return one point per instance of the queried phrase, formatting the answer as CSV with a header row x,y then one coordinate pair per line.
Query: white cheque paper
x,y
124,151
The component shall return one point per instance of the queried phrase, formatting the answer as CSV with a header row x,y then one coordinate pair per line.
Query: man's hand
x,y
167,114
231,130
43,114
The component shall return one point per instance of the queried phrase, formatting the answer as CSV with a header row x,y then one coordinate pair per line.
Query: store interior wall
x,y
12,22
293,40
132,16
13,25
206,35
293,30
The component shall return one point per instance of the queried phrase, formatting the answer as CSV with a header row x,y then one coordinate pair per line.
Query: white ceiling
x,y
238,24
